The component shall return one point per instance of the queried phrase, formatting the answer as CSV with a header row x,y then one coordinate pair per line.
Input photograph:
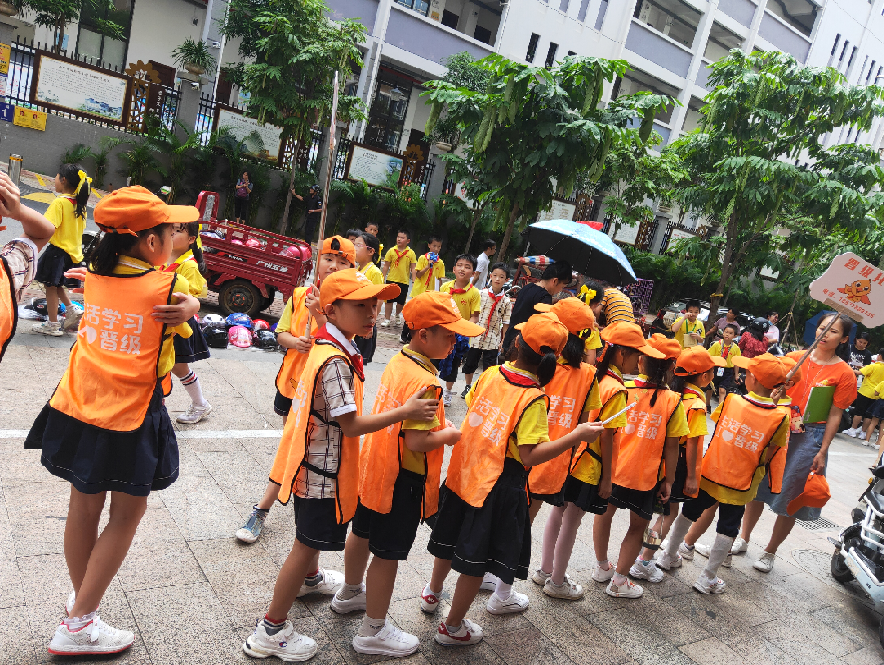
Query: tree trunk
x,y
727,269
476,214
60,36
504,245
284,222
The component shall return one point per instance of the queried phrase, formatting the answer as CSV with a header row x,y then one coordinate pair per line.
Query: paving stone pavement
x,y
192,593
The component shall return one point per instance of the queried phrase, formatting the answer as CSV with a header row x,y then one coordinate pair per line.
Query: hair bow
x,y
83,178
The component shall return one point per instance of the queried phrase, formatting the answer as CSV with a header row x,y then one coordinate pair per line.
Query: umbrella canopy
x,y
590,252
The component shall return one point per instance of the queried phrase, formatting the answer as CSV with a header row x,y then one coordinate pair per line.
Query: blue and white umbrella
x,y
590,252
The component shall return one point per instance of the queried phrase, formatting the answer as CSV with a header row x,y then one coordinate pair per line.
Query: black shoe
x,y
465,391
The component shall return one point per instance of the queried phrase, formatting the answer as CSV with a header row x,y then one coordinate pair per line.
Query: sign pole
x,y
329,170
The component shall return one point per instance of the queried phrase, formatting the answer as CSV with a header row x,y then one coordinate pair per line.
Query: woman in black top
x,y
555,278
241,198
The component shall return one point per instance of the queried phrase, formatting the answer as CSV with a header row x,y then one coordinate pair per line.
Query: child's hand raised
x,y
10,197
174,315
450,435
416,408
311,301
77,273
303,344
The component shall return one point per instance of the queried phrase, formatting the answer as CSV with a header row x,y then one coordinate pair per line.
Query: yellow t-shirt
x,y
413,460
190,271
132,266
696,418
732,352
533,427
420,283
374,274
68,228
468,303
400,266
285,321
688,327
594,341
734,497
874,375
588,469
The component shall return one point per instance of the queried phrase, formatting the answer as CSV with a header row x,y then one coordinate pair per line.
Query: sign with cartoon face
x,y
854,287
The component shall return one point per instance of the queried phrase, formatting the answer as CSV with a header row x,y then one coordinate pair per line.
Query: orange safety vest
x,y
8,307
494,414
381,456
743,432
609,386
568,392
693,402
112,372
294,361
291,455
640,457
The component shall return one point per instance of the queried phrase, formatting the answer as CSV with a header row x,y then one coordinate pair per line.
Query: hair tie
x,y
83,178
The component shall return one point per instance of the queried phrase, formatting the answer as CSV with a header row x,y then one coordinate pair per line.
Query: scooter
x,y
859,550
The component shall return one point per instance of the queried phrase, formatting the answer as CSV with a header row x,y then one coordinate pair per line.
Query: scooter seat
x,y
876,501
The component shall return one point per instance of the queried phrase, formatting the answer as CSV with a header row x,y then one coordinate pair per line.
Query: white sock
x,y
503,590
677,532
76,623
191,384
371,627
427,590
721,548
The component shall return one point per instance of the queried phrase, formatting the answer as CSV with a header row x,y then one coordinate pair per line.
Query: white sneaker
x,y
739,546
705,550
96,637
687,553
602,575
355,603
625,590
390,641
516,602
194,414
384,323
539,577
666,562
72,318
849,431
489,582
650,572
48,328
765,562
447,396
707,586
429,600
468,633
567,590
286,645
331,582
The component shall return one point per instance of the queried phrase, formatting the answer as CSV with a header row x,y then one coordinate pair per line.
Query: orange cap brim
x,y
182,214
649,350
543,307
718,361
379,291
464,327
741,361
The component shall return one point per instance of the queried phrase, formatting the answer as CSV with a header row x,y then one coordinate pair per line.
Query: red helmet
x,y
260,324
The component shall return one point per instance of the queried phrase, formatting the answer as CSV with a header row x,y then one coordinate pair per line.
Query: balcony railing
x,y
741,11
783,36
429,39
657,48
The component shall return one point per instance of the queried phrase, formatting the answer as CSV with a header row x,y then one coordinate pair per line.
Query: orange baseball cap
x,y
346,249
670,348
816,494
696,360
573,312
437,308
630,335
544,330
351,284
133,209
768,369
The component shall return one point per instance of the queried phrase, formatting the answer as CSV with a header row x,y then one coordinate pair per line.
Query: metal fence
x,y
205,118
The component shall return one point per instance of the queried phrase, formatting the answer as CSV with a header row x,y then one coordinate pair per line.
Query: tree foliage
x,y
56,14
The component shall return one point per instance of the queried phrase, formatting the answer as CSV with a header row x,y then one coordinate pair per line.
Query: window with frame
x,y
420,6
90,42
386,120
532,47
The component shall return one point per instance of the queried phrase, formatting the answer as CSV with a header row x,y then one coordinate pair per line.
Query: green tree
x,y
56,14
534,130
177,149
292,51
759,153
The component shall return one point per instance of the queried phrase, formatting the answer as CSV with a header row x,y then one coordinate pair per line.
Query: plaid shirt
x,y
490,339
333,396
21,257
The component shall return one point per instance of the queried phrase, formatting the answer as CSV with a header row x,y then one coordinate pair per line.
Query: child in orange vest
x,y
694,371
574,397
105,429
399,471
337,254
318,459
646,443
749,431
482,525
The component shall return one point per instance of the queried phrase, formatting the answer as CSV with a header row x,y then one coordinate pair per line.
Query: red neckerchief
x,y
455,291
692,392
614,375
430,270
355,359
398,255
72,200
172,267
518,378
496,300
725,352
763,405
641,383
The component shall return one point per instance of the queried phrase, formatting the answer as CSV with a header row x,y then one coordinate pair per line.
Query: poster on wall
x,y
374,166
242,127
680,234
460,191
25,117
4,58
627,234
66,86
559,210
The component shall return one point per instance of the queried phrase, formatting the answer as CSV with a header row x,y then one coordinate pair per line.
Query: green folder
x,y
819,402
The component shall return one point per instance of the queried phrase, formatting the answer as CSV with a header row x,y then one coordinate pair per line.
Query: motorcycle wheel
x,y
839,569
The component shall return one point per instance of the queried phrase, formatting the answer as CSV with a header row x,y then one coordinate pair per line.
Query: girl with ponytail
x,y
482,525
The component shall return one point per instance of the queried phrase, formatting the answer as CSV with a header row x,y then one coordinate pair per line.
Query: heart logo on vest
x,y
726,435
476,419
629,429
89,333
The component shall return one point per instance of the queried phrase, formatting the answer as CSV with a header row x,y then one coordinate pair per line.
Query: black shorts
x,y
282,404
557,499
316,524
454,362
52,265
677,495
403,293
638,501
862,406
584,495
367,345
495,538
726,380
471,360
391,535
729,516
